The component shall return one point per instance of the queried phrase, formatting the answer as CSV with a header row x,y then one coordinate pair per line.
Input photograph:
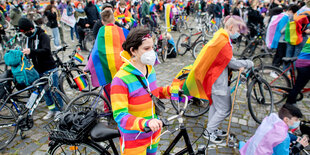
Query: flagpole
x,y
232,105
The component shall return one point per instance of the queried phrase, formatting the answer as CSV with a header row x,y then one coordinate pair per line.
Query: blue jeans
x,y
56,36
76,32
48,95
294,50
218,22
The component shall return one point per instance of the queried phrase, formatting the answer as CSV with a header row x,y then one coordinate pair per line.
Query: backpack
x,y
22,70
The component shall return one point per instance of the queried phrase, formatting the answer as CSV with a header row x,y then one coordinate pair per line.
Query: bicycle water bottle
x,y
32,99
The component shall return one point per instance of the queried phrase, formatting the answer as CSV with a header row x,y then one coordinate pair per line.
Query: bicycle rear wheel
x,y
164,51
77,149
89,42
196,107
8,126
198,47
182,44
260,100
276,81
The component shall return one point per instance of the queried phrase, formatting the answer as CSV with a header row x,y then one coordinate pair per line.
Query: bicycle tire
x,y
5,123
197,48
89,42
67,84
182,44
261,99
193,109
281,81
210,30
72,149
8,25
164,51
103,103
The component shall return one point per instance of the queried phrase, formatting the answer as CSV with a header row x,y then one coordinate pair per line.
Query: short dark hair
x,y
289,110
294,8
107,16
134,38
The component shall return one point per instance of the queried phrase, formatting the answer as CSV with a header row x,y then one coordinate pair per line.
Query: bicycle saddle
x,y
288,59
102,133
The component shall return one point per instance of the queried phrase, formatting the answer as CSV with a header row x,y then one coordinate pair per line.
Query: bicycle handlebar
x,y
61,49
180,114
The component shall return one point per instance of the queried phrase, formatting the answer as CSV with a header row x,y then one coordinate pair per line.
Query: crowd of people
x,y
114,25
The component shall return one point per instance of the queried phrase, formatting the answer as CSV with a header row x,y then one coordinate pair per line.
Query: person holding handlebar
x,y
132,104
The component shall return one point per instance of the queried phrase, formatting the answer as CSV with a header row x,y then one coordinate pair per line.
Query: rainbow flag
x,y
105,59
167,15
181,5
210,63
213,21
293,30
277,23
78,57
152,8
81,82
304,56
178,83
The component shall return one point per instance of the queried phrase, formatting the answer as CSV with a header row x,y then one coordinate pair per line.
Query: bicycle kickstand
x,y
22,136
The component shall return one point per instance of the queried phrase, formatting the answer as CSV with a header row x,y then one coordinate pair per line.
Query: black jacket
x,y
52,18
41,56
236,12
92,14
226,9
218,10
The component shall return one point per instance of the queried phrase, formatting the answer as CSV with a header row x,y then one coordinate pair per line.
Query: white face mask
x,y
80,7
148,58
122,9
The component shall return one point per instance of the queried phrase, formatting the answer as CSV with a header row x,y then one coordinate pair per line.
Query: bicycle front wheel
x,y
260,100
164,51
196,107
198,47
89,42
77,149
182,44
8,126
277,80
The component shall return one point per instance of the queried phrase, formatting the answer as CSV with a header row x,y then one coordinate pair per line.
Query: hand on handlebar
x,y
155,124
241,69
303,141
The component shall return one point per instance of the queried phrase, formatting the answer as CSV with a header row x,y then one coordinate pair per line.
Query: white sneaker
x,y
72,41
57,115
58,47
49,115
273,74
220,133
212,137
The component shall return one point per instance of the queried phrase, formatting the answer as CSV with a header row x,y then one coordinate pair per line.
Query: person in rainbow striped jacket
x,y
133,108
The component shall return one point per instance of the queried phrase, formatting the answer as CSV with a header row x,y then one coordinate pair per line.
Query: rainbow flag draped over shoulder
x,y
105,59
167,16
277,23
210,63
304,56
293,30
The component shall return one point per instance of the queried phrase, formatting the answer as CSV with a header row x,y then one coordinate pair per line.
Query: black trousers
x,y
280,53
303,78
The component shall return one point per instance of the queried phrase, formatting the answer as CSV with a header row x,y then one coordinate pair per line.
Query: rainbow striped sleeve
x,y
119,100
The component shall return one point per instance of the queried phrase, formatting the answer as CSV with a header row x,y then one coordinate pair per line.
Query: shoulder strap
x,y
143,84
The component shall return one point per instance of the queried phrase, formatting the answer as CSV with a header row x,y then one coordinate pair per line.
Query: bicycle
x,y
90,140
21,117
258,39
184,43
161,43
89,40
181,21
259,96
70,70
280,83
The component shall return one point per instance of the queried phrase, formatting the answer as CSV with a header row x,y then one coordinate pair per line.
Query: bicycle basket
x,y
73,126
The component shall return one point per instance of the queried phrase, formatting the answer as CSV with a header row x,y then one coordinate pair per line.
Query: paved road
x,y
243,125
